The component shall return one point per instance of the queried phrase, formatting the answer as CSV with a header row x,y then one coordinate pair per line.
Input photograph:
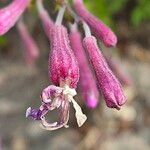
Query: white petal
x,y
81,118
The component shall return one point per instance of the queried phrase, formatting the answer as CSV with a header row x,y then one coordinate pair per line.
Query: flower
x,y
51,98
45,18
97,26
11,13
108,83
62,63
64,73
31,50
87,82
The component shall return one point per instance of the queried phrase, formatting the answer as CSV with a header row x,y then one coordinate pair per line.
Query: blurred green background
x,y
134,11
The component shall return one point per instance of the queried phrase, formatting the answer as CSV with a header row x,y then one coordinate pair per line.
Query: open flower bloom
x,y
64,73
55,97
103,32
11,13
109,85
44,17
31,50
87,82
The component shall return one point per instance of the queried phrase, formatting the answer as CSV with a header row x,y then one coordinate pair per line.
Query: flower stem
x,y
60,15
73,27
39,5
72,13
86,29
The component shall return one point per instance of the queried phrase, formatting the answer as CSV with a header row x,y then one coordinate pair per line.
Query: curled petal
x,y
81,118
36,114
50,92
39,114
63,118
56,98
51,99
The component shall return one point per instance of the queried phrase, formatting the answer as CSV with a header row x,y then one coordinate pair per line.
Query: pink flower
x,y
62,63
88,85
97,26
11,13
108,83
31,50
64,73
45,18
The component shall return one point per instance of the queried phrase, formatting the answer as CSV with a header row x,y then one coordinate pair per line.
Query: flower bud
x,y
31,50
45,18
108,83
63,66
87,82
103,32
11,13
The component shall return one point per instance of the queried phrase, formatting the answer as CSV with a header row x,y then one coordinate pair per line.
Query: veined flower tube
x,y
108,83
87,82
102,31
64,73
45,18
11,13
31,50
62,65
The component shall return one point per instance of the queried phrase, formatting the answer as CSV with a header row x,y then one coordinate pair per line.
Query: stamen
x,y
39,5
73,27
72,13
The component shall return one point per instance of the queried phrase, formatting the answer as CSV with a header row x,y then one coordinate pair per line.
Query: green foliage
x,y
115,5
105,9
141,12
99,8
3,41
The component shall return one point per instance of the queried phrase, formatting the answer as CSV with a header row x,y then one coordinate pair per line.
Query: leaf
x,y
3,41
141,12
